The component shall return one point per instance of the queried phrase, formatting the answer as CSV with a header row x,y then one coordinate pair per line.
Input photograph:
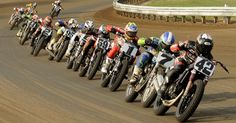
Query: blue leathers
x,y
152,49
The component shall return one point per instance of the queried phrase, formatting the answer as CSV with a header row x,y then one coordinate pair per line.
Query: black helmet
x,y
204,43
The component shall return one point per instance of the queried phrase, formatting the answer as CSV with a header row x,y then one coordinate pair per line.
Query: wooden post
x,y
139,16
143,15
203,19
161,17
227,20
154,17
149,16
134,15
167,18
193,19
215,19
183,19
175,18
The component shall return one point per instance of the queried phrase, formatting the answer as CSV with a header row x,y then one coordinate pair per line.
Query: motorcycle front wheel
x,y
190,102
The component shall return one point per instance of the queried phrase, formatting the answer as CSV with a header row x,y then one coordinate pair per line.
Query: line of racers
x,y
90,49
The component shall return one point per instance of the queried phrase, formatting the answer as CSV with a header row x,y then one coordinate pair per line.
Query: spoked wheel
x,y
130,93
190,102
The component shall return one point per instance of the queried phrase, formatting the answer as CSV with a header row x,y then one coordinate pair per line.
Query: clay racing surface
x,y
34,90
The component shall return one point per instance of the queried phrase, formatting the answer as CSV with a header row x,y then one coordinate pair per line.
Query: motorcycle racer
x,y
129,34
89,33
71,24
154,46
192,49
47,21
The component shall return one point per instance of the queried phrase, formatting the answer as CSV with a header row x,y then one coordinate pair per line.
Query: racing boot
x,y
136,75
70,47
106,65
19,33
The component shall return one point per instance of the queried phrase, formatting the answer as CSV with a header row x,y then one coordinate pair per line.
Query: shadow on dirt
x,y
218,97
214,114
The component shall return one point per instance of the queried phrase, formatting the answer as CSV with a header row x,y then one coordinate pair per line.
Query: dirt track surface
x,y
34,90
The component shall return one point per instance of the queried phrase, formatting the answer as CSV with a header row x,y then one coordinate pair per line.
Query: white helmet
x,y
72,23
89,24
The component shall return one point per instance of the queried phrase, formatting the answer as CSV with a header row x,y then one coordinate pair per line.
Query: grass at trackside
x,y
191,3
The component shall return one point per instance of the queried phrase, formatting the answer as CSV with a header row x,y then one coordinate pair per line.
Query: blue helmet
x,y
167,38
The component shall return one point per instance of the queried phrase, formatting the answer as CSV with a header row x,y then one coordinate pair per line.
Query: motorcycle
x,y
74,59
120,65
55,10
15,20
164,62
132,91
27,31
186,96
42,40
76,50
102,46
59,48
84,59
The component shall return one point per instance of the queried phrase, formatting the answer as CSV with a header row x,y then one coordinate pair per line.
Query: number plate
x,y
165,59
129,49
103,43
69,33
204,66
46,31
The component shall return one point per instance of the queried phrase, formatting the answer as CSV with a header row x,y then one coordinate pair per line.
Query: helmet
x,y
72,23
40,20
48,20
204,43
102,30
34,5
35,17
167,39
58,2
89,24
131,30
21,10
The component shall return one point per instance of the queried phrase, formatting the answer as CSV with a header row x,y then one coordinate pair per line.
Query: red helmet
x,y
48,20
35,17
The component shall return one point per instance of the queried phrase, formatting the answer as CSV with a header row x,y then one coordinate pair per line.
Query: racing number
x,y
205,66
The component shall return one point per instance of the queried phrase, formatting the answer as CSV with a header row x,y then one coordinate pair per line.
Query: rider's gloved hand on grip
x,y
148,41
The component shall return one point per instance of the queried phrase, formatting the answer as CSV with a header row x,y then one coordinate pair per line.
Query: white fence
x,y
147,11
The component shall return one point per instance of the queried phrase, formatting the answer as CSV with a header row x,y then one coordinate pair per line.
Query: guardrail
x,y
123,8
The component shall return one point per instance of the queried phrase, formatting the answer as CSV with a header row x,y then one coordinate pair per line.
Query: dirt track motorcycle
x,y
15,20
148,85
84,59
42,40
102,47
27,31
155,80
59,48
120,65
73,60
186,98
55,10
132,91
76,50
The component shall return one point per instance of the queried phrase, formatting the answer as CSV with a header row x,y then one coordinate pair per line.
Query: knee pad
x,y
143,59
115,49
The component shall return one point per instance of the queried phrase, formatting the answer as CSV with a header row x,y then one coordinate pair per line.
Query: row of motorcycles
x,y
88,63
